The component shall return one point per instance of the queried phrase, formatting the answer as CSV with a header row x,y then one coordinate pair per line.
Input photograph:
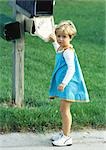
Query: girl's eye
x,y
58,36
61,36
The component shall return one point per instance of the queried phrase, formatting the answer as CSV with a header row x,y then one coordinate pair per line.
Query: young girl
x,y
67,81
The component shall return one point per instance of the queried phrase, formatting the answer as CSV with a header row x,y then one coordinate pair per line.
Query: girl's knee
x,y
65,108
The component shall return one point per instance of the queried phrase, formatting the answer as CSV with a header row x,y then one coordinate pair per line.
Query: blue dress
x,y
76,90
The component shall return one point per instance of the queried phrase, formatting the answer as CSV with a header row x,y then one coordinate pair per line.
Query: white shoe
x,y
63,141
57,136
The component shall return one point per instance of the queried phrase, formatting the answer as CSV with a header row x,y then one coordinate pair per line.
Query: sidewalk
x,y
83,140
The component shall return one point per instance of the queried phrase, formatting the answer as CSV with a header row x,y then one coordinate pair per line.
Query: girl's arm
x,y
69,58
56,45
52,38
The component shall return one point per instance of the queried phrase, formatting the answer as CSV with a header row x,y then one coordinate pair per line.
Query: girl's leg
x,y
65,140
66,116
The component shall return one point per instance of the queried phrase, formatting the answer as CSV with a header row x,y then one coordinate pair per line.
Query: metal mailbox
x,y
9,29
32,8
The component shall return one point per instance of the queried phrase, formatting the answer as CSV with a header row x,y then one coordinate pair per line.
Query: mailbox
x,y
32,8
41,26
9,29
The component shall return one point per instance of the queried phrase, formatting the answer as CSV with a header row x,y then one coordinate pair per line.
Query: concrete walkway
x,y
83,140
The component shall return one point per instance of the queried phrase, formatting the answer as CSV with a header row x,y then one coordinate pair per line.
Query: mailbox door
x,y
44,7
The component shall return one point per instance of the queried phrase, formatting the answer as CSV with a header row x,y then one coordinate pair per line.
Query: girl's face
x,y
63,39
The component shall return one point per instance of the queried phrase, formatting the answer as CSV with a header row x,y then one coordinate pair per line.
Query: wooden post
x,y
18,63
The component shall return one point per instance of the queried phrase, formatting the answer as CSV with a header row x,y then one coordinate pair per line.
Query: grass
x,y
39,114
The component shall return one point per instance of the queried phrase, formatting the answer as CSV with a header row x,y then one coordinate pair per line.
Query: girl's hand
x,y
52,37
61,87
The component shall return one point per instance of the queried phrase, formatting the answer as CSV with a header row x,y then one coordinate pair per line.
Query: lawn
x,y
38,114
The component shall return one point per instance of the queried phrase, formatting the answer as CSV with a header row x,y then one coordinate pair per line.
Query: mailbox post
x,y
18,62
21,10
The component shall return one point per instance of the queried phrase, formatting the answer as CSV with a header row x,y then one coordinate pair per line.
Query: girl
x,y
67,81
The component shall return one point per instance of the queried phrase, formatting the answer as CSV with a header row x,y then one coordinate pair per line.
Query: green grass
x,y
39,114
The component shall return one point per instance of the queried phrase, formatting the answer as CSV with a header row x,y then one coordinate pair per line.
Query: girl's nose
x,y
61,38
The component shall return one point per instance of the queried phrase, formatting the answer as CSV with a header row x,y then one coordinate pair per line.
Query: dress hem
x,y
82,101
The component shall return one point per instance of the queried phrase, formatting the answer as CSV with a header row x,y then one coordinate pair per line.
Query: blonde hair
x,y
67,27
